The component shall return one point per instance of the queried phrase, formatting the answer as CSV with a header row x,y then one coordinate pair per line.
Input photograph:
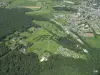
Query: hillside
x,y
49,37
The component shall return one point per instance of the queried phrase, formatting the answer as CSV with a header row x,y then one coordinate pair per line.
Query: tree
x,y
16,63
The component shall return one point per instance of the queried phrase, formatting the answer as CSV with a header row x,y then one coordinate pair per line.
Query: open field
x,y
16,3
94,42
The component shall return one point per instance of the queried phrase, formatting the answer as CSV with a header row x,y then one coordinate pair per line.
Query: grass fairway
x,y
41,41
46,45
94,42
17,3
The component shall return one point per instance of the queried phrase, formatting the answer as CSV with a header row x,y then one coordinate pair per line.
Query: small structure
x,y
77,46
87,34
95,72
61,48
14,39
69,2
79,41
23,50
3,4
43,59
86,51
78,14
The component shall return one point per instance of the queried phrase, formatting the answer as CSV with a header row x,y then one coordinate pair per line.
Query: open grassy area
x,y
41,40
18,3
94,42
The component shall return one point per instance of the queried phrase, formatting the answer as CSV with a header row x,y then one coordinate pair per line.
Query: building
x,y
3,4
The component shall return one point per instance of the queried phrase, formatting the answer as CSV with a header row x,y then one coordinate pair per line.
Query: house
x,y
3,4
88,35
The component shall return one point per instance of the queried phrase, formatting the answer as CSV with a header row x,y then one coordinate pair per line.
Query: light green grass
x,y
42,41
94,42
17,3
26,34
47,45
28,3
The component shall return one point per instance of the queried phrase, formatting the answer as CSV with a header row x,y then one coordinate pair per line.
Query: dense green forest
x,y
12,20
17,63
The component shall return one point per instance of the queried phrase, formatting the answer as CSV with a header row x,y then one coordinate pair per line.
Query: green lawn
x,y
94,42
17,3
28,3
42,41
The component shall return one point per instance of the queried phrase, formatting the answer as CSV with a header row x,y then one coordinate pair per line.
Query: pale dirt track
x,y
31,7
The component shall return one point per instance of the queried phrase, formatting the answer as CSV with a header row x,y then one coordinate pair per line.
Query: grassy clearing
x,y
42,41
46,45
28,3
17,3
94,42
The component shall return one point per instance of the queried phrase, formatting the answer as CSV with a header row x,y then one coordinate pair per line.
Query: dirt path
x,y
31,7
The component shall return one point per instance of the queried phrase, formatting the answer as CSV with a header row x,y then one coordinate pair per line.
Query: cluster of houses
x,y
3,4
62,3
86,27
85,31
